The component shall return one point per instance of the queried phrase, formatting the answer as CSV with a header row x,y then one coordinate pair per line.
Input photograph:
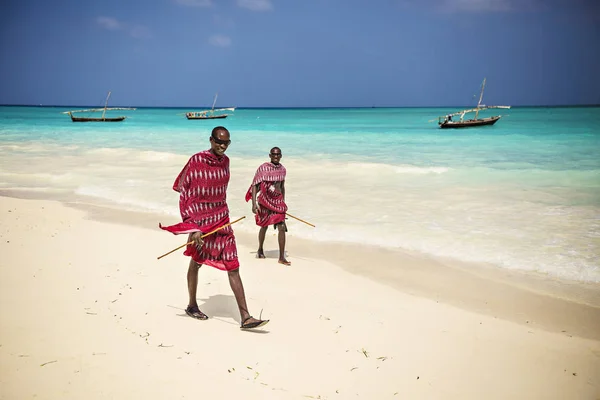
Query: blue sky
x,y
304,53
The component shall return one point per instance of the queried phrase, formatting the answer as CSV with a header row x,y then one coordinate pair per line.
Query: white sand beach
x,y
87,311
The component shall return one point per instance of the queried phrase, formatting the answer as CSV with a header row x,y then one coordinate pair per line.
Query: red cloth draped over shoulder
x,y
272,205
202,187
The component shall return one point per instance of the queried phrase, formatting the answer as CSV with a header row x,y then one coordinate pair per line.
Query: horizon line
x,y
296,107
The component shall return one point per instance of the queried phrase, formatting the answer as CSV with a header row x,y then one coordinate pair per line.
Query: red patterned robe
x,y
272,205
202,187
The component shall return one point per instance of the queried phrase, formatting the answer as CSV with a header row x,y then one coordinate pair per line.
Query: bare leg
x,y
281,238
235,281
261,241
192,281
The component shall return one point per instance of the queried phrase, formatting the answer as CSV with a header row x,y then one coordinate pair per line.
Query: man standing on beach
x,y
202,187
267,192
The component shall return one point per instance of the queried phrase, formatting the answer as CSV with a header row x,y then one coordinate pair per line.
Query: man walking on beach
x,y
267,192
202,187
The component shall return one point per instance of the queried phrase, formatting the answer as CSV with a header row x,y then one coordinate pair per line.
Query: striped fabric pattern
x,y
202,187
272,206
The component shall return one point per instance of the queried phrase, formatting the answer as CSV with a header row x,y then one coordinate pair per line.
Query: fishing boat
x,y
209,114
447,121
100,119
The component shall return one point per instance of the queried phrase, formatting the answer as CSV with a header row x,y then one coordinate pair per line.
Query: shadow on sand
x,y
221,306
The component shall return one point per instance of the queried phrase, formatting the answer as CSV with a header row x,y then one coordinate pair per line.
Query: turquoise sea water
x,y
522,194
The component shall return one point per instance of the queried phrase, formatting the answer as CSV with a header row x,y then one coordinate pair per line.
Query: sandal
x,y
253,325
195,312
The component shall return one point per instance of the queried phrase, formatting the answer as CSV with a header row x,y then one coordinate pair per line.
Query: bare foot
x,y
284,261
260,254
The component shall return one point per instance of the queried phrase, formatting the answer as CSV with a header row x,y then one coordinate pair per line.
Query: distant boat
x,y
446,121
209,114
101,119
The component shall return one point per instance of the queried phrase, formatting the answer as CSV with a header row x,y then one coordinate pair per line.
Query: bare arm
x,y
283,189
255,206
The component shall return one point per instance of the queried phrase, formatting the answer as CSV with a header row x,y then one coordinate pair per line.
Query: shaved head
x,y
217,129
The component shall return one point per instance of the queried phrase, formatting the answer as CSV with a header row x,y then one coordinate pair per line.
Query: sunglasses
x,y
219,141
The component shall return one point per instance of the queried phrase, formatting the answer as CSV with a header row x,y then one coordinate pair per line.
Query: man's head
x,y
219,140
275,155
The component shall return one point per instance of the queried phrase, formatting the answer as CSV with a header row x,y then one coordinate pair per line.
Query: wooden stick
x,y
221,227
301,220
203,236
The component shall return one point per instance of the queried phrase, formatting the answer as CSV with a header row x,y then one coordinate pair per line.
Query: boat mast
x,y
480,98
105,104
214,102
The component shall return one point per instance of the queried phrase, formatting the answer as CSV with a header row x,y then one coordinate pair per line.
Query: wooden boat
x,y
469,122
209,114
100,119
91,119
206,114
446,121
